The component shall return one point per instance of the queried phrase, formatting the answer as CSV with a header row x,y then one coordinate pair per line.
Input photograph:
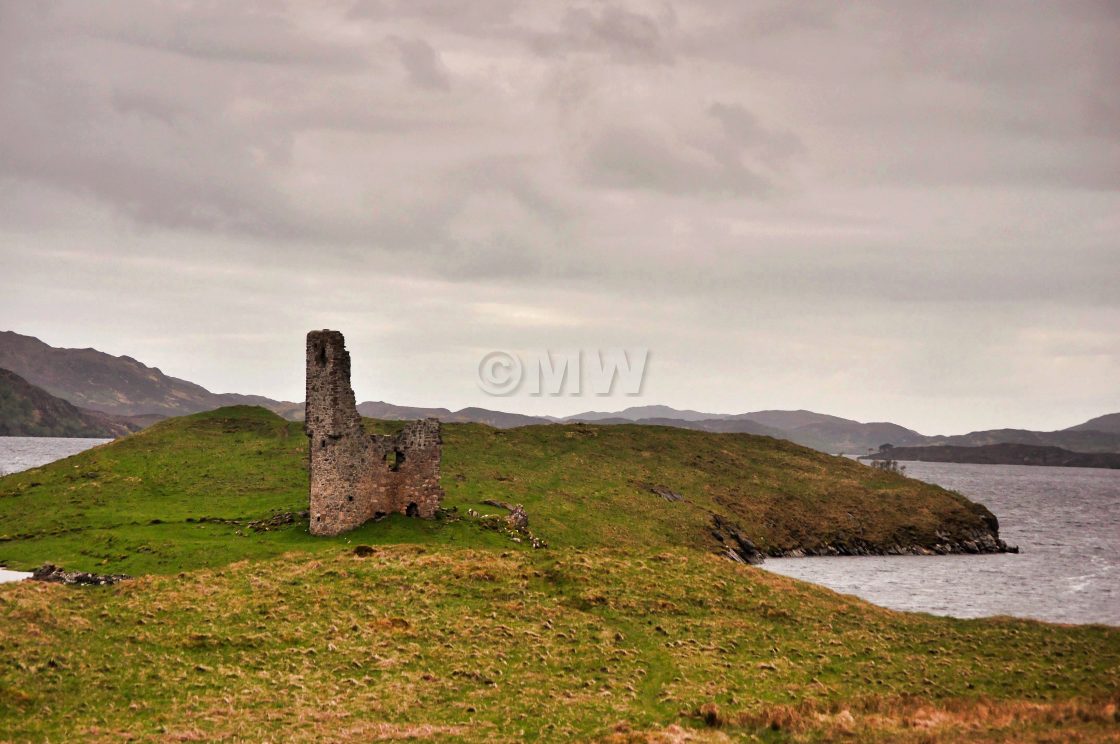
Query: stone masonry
x,y
355,476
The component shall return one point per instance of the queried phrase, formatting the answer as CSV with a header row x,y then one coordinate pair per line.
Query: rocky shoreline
x,y
976,543
735,546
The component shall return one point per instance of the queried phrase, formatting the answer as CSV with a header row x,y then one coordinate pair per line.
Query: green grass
x,y
133,506
627,628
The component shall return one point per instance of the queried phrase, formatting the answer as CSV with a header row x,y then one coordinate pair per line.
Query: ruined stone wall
x,y
355,476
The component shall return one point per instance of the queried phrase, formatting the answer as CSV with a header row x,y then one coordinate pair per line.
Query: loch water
x,y
24,453
1066,522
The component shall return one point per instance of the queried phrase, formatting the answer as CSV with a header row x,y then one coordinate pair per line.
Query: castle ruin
x,y
355,476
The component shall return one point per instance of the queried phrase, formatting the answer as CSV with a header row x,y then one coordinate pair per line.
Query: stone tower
x,y
355,476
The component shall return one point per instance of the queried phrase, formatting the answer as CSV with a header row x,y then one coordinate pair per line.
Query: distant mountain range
x,y
497,419
637,413
114,384
1109,422
839,435
123,386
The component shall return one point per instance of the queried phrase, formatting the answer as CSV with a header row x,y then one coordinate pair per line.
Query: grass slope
x,y
135,505
470,645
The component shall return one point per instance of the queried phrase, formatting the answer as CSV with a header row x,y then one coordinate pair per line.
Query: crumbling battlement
x,y
356,476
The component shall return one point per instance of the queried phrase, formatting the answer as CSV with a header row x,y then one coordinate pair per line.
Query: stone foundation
x,y
355,476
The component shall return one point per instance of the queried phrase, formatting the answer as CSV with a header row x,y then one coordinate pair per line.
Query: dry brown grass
x,y
413,642
908,719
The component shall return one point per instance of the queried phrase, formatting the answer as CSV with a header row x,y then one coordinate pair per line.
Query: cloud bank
x,y
886,211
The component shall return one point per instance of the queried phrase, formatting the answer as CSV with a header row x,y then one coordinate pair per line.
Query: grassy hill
x,y
627,628
182,493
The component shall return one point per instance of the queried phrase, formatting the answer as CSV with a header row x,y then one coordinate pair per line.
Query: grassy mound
x,y
627,628
436,643
181,494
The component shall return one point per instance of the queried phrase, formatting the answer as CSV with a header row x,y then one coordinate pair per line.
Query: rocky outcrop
x,y
518,518
514,525
736,546
53,574
666,493
739,548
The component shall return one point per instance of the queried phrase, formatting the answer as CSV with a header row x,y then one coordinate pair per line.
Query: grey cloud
x,y
254,31
744,131
624,36
468,18
633,159
814,190
424,66
737,157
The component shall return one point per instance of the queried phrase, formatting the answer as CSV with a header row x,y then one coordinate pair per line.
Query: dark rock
x,y
518,519
363,550
665,493
515,525
742,547
273,522
54,574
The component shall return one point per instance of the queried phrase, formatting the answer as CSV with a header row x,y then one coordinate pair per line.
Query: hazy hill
x,y
1077,440
1110,422
1004,453
817,430
834,434
821,432
389,412
498,419
837,435
638,413
723,426
112,384
787,420
842,435
28,411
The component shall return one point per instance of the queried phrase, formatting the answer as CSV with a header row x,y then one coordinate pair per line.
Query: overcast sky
x,y
893,211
